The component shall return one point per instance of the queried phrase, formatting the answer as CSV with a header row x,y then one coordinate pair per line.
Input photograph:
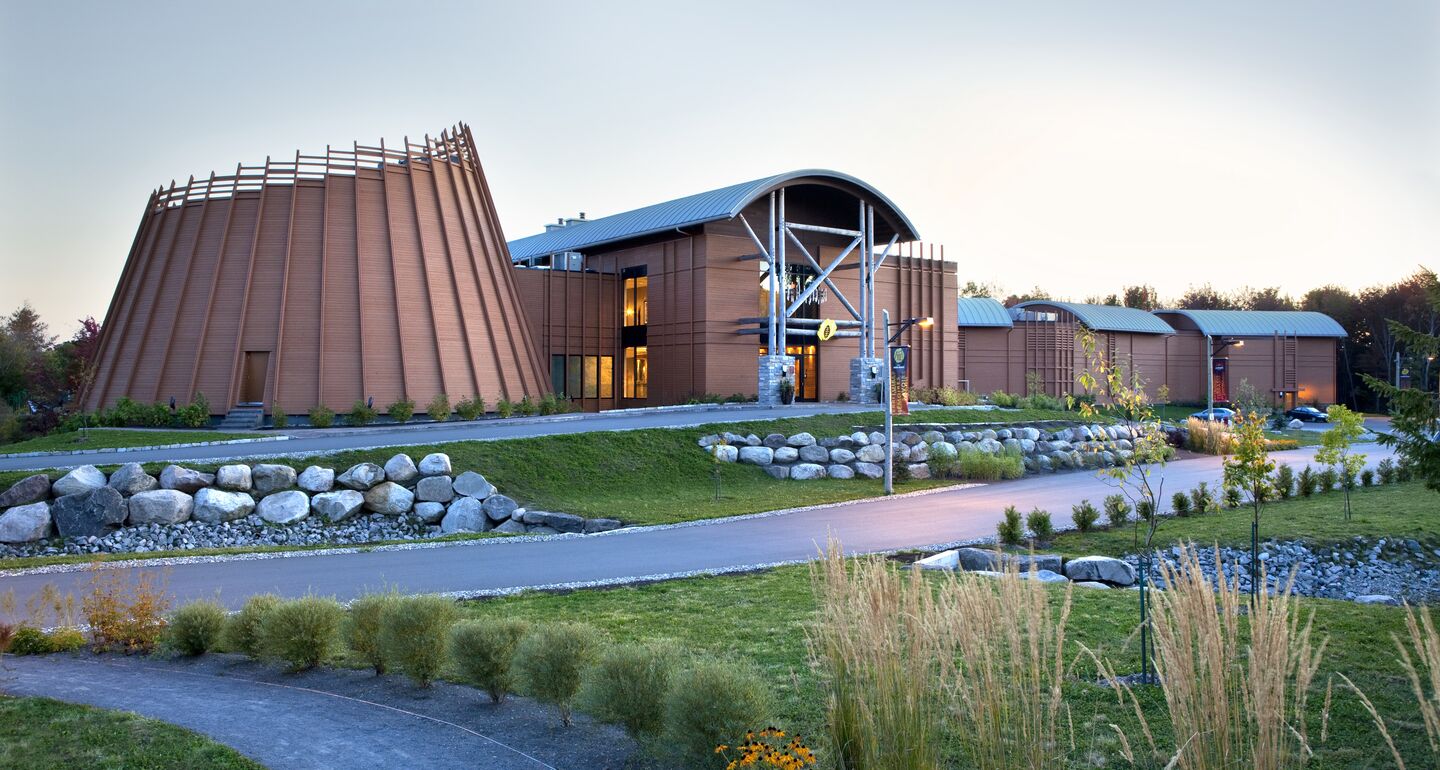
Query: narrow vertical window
x,y
637,373
557,375
637,301
573,379
592,376
607,376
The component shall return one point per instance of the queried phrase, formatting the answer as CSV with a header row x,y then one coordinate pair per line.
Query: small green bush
x,y
1002,399
1202,500
1326,480
526,407
361,414
362,628
321,417
29,640
302,632
504,409
944,462
401,411
278,418
1284,481
1084,515
548,404
982,466
1385,471
710,703
1307,482
1404,471
1117,511
1180,504
550,659
66,639
195,414
1040,526
1041,401
414,633
157,415
1232,497
1144,510
439,408
622,686
242,630
195,628
1010,530
483,652
1367,478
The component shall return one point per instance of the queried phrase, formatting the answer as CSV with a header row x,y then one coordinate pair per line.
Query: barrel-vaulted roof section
x,y
982,311
1259,323
1106,318
700,208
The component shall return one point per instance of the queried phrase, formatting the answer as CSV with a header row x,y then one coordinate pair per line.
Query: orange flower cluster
x,y
768,748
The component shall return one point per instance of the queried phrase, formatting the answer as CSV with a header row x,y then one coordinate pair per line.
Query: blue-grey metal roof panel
x,y
1108,318
982,311
1261,323
711,206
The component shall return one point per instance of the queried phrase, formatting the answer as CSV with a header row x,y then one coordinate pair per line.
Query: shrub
x,y
124,614
622,686
1041,401
470,408
439,408
321,417
714,702
362,628
1202,500
195,414
549,661
29,640
1084,515
550,405
1367,478
1208,437
401,411
1325,480
1180,504
65,639
504,408
414,632
242,630
195,628
1404,471
1117,510
157,415
483,651
1232,497
526,407
1038,522
1010,531
301,632
278,418
1144,510
361,414
944,462
1002,399
1281,444
1284,481
1386,471
1307,482
982,466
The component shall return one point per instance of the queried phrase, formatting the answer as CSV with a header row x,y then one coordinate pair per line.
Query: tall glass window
x,y
573,385
637,302
607,376
637,373
557,375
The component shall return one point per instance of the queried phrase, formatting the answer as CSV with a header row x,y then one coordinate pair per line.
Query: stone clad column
x,y
772,370
865,374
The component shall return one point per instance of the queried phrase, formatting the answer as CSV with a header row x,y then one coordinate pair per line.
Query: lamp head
x,y
926,322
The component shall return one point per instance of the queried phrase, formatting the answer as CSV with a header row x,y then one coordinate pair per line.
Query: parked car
x,y
1217,414
1307,414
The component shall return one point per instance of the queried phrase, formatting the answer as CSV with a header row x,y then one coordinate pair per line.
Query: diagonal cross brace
x,y
824,276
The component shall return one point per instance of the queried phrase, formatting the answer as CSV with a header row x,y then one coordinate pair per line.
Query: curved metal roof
x,y
982,311
1108,318
711,206
1261,323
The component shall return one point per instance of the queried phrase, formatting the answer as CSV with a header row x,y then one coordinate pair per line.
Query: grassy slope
x,y
39,733
112,438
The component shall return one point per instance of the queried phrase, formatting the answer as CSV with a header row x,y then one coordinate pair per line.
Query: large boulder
x,y
131,478
25,523
269,478
31,489
871,453
807,471
777,472
499,507
401,469
801,440
918,470
1045,576
1100,569
814,454
337,506
316,479
467,515
841,455
361,477
435,489
429,513
214,506
96,513
859,438
560,522
436,464
472,484
161,506
602,525
757,455
389,498
869,470
82,479
945,560
508,528
177,478
786,454
235,478
285,507
1040,561
840,472
972,559
774,440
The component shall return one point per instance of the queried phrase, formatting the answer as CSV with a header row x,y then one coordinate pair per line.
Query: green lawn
x,y
41,734
115,438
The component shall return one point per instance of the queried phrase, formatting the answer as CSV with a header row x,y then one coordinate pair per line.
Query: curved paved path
x,y
497,565
323,719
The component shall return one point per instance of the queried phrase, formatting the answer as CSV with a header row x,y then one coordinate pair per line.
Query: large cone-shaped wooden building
x,y
364,273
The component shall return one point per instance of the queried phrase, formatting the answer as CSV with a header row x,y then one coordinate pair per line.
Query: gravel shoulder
x,y
324,718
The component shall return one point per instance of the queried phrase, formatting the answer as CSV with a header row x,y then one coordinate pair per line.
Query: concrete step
x,y
243,417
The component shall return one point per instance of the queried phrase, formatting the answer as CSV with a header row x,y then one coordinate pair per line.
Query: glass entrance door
x,y
807,370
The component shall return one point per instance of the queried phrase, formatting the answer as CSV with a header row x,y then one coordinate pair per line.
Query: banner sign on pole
x,y
900,379
1220,376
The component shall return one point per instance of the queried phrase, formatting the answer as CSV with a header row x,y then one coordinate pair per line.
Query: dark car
x,y
1217,414
1307,414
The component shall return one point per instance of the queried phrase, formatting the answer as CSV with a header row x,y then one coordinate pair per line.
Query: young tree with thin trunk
x,y
1249,470
1335,448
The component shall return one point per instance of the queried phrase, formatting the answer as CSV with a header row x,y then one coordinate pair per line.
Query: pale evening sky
x,y
1075,145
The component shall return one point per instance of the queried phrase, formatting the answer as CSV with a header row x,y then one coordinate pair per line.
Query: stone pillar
x,y
862,382
772,370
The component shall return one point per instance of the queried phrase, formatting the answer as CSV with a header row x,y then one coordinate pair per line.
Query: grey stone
x,y
786,454
1090,584
841,455
725,453
466,515
31,489
775,440
919,470
1004,434
285,507
1102,569
1045,561
563,522
361,477
900,452
706,442
801,440
840,472
931,436
269,478
389,498
757,455
499,507
435,464
96,513
780,472
337,506
214,506
872,453
131,478
752,440
859,438
82,479
989,435
945,560
1377,599
185,480
161,506
601,525
316,479
400,469
869,470
988,445
510,528
877,438
919,453
235,478
26,523
541,529
943,450
978,559
472,484
814,454
430,512
807,471
435,489
1045,576
908,438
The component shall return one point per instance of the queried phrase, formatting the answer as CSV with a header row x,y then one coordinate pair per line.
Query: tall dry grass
x,y
1421,661
914,665
1208,437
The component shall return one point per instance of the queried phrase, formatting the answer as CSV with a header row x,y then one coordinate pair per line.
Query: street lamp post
x,y
923,323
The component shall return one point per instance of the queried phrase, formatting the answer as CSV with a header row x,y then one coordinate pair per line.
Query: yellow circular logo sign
x,y
827,329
